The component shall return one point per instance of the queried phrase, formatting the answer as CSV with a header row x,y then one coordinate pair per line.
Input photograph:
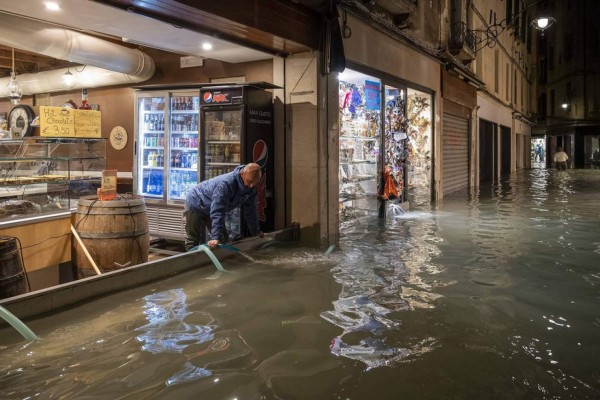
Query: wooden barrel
x,y
114,232
12,273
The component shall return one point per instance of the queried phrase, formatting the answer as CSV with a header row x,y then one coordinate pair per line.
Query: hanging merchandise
x,y
356,100
390,188
418,112
396,125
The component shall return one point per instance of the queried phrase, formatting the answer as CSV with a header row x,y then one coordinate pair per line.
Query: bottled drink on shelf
x,y
84,100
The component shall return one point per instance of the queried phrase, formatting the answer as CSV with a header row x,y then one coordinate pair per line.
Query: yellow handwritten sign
x,y
87,123
57,121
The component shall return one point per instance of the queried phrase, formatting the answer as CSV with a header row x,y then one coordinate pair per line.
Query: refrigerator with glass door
x,y
166,160
237,128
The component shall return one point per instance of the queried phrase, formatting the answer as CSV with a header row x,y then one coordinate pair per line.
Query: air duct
x,y
51,81
112,60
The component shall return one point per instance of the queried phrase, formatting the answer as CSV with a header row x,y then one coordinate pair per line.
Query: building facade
x,y
568,75
383,102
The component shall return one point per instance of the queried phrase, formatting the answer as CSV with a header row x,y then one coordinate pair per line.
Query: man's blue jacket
x,y
219,195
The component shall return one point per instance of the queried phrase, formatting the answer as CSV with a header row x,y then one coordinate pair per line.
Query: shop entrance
x,y
505,156
592,151
385,145
487,150
538,151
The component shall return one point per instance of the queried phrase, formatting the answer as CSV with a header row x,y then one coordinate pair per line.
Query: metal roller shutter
x,y
455,153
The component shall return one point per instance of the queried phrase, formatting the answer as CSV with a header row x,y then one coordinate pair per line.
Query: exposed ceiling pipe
x,y
51,81
52,41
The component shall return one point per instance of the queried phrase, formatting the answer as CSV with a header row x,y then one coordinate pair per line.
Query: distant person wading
x,y
560,159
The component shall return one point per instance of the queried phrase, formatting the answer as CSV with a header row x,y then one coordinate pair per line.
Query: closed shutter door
x,y
456,153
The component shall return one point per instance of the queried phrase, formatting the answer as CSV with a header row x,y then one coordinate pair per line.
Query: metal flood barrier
x,y
43,301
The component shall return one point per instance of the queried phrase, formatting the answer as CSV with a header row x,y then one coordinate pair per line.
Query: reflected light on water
x,y
493,295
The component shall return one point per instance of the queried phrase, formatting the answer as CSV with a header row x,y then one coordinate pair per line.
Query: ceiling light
x,y
68,80
52,6
207,46
13,90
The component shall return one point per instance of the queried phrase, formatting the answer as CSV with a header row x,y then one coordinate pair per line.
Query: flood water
x,y
493,297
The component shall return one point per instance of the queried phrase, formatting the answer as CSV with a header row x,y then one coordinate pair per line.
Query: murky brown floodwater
x,y
494,297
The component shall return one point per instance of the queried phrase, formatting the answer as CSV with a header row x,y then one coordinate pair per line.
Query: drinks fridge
x,y
237,128
167,158
192,134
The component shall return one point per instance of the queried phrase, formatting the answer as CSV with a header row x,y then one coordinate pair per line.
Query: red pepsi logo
x,y
207,97
260,153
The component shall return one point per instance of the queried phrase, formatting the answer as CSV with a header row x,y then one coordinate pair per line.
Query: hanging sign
x,y
372,95
57,121
68,122
87,123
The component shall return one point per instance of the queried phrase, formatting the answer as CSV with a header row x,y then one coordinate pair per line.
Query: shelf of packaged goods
x,y
358,138
184,111
152,167
361,178
188,149
191,169
191,132
358,162
352,198
213,141
217,164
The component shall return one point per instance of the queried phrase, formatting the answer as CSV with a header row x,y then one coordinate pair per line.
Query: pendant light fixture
x,y
13,90
68,80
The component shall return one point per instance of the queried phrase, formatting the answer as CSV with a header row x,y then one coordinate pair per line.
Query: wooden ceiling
x,y
26,62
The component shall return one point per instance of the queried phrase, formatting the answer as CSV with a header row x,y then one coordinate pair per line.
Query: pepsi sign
x,y
221,97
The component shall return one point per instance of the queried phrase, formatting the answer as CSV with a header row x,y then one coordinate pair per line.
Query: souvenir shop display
x,y
360,138
384,146
396,145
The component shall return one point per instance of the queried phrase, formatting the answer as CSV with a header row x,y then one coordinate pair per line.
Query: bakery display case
x,y
47,175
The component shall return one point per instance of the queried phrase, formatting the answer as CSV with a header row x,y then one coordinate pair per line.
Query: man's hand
x,y
213,244
261,234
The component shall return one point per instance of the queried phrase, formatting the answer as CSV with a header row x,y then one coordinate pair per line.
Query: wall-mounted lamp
x,y
13,90
489,37
564,105
543,23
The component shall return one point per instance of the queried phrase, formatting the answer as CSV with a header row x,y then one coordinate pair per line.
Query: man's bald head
x,y
251,174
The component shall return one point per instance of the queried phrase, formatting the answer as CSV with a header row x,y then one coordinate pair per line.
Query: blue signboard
x,y
372,95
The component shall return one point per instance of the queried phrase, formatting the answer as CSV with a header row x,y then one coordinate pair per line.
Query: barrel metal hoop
x,y
12,277
9,255
116,211
109,235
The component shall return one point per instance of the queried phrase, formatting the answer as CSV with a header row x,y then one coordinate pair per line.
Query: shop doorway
x,y
592,152
487,150
385,145
538,151
505,156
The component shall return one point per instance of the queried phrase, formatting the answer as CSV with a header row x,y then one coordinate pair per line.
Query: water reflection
x,y
513,269
384,270
490,296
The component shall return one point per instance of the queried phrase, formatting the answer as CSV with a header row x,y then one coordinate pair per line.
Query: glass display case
x,y
44,175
